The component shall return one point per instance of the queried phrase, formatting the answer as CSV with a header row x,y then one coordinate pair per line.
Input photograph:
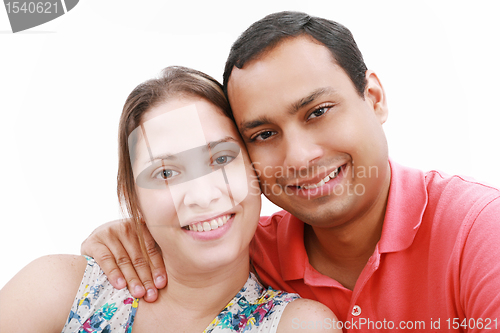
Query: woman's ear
x,y
375,94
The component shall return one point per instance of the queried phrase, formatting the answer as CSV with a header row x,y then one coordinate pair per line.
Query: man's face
x,y
317,146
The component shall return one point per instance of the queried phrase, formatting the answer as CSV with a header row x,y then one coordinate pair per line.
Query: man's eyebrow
x,y
310,98
248,125
295,107
208,146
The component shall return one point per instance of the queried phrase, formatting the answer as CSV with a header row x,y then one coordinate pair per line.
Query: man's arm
x,y
479,275
116,248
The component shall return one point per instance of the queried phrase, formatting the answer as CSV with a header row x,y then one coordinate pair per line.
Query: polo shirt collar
x,y
405,208
292,253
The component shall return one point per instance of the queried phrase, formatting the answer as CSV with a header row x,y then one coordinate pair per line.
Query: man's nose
x,y
301,151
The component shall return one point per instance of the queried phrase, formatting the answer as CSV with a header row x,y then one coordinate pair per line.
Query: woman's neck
x,y
201,296
206,292
192,299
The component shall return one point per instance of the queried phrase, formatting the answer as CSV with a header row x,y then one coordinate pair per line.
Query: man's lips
x,y
318,181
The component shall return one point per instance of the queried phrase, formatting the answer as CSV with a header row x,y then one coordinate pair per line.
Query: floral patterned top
x,y
99,307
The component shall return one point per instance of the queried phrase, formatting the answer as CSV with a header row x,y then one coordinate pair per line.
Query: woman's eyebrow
x,y
207,147
212,144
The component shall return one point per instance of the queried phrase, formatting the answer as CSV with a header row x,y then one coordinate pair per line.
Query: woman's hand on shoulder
x,y
305,315
40,296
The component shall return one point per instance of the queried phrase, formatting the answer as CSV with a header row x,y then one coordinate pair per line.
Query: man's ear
x,y
375,95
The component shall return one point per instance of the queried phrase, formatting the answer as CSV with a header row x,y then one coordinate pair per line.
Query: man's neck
x,y
342,252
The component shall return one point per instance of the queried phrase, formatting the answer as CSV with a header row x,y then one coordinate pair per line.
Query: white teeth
x,y
209,225
214,224
323,181
206,226
334,173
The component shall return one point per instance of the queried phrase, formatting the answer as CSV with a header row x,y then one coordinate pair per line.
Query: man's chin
x,y
321,212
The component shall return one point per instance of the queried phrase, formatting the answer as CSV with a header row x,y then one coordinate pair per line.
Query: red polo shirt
x,y
435,268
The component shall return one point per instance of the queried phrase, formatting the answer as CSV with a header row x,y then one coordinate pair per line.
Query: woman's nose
x,y
203,191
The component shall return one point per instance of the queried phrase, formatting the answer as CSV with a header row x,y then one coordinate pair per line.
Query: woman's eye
x,y
166,174
221,160
318,112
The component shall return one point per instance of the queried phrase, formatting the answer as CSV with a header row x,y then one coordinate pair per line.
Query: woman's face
x,y
197,191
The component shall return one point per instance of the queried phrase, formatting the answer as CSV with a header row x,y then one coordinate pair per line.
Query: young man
x,y
384,246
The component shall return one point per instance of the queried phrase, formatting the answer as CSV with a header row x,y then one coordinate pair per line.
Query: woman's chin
x,y
211,261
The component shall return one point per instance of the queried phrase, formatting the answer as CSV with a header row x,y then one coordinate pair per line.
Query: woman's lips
x,y
209,225
212,234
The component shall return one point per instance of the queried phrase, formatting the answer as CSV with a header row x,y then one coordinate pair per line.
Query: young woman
x,y
183,174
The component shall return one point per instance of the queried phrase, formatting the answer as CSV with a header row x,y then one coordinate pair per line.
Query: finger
x,y
156,258
106,261
130,259
142,266
95,247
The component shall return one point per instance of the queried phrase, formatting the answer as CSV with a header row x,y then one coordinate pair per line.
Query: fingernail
x,y
121,282
151,292
159,279
139,289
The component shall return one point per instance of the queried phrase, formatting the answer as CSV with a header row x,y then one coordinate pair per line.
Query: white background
x,y
63,84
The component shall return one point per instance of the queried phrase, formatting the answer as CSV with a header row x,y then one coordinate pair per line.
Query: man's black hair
x,y
274,28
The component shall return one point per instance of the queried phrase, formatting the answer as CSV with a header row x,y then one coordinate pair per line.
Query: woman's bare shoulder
x,y
305,315
40,296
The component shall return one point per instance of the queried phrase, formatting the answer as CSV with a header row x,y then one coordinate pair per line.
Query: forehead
x,y
187,122
286,73
178,125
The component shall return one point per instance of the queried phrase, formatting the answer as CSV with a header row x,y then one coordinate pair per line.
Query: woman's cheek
x,y
237,179
157,207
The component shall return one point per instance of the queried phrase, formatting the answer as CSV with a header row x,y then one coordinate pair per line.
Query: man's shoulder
x,y
438,187
457,205
274,220
458,190
282,223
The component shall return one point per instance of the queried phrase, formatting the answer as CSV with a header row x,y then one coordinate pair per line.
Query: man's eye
x,y
262,136
318,112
